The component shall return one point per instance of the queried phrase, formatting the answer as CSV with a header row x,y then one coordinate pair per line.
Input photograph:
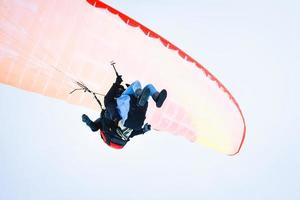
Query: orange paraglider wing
x,y
46,47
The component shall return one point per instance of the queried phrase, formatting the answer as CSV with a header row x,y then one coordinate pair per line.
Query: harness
x,y
113,142
113,137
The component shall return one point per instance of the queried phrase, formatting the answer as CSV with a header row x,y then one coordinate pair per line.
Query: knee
x,y
136,84
149,86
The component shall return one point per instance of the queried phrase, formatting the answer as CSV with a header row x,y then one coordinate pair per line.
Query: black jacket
x,y
110,117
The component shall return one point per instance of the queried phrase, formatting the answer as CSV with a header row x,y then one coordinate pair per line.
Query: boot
x,y
160,97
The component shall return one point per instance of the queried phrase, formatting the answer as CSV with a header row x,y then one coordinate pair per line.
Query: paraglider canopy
x,y
48,47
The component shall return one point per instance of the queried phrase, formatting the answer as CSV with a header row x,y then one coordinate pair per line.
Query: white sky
x,y
46,152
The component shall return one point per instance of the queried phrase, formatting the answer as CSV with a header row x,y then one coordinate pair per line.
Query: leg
x,y
149,90
152,90
136,85
123,104
158,97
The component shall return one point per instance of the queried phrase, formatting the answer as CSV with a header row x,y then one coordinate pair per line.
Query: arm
x,y
146,128
110,100
113,91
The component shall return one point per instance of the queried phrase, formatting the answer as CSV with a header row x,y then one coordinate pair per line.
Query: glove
x,y
85,119
119,79
146,128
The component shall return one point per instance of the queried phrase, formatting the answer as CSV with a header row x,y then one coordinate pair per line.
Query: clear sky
x,y
252,47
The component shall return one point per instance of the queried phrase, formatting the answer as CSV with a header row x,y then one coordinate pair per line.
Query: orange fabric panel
x,y
45,46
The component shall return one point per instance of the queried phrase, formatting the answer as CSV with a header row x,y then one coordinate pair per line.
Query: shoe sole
x,y
144,97
161,98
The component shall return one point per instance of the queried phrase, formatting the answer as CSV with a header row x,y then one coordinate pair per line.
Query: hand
x,y
85,118
146,128
119,79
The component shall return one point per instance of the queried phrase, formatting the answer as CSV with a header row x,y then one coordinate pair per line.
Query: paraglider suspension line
x,y
83,87
86,89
